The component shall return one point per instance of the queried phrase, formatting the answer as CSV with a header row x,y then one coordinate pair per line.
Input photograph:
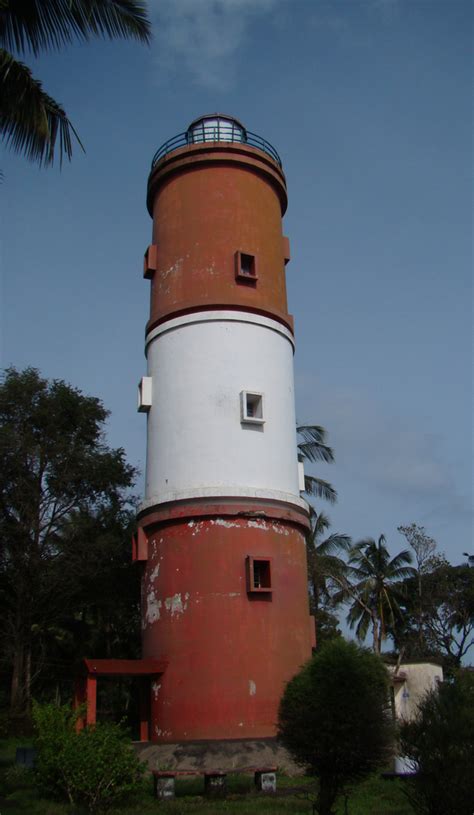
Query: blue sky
x,y
369,105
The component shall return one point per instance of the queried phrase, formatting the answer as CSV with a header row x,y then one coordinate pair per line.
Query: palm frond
x,y
402,559
319,488
333,544
31,122
314,447
43,25
312,432
363,626
319,523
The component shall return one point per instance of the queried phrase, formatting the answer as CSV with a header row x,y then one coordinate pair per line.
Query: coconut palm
x,y
313,447
372,585
323,563
31,122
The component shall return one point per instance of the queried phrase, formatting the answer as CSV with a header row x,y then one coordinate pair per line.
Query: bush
x,y
441,742
96,767
335,718
17,777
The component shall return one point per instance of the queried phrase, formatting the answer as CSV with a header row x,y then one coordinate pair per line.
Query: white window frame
x,y
258,399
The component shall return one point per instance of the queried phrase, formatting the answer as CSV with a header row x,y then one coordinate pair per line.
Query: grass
x,y
18,796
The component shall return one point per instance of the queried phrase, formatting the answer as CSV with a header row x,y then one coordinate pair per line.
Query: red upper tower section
x,y
217,238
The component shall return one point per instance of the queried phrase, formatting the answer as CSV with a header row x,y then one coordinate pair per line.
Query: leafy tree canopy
x,y
334,717
371,583
447,622
55,467
440,741
324,563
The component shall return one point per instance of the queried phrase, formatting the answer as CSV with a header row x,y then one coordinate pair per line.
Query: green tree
x,y
54,463
425,551
313,447
324,563
447,625
96,767
440,742
335,719
96,610
31,122
372,584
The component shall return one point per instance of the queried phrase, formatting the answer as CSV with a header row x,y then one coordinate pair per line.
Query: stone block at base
x,y
215,785
265,781
164,786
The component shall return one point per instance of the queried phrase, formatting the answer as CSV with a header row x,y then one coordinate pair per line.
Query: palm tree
x,y
313,447
323,563
31,122
374,592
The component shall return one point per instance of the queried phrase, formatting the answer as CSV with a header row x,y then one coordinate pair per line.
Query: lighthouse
x,y
222,525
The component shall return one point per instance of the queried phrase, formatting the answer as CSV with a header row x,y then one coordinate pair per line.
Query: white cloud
x,y
208,38
204,36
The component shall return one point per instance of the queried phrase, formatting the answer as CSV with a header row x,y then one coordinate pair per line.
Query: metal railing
x,y
206,134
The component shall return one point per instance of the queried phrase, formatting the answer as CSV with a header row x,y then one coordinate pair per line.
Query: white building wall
x,y
419,678
197,444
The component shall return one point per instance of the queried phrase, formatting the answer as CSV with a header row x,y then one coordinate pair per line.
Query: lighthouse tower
x,y
222,524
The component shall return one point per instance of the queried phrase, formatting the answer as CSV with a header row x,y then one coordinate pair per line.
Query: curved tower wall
x,y
197,445
222,524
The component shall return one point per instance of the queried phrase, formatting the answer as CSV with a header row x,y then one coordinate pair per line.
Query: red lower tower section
x,y
230,645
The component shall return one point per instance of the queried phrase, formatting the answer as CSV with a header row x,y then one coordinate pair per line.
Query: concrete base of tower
x,y
224,603
225,755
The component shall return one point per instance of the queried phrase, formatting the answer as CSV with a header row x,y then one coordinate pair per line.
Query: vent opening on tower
x,y
259,574
144,394
251,407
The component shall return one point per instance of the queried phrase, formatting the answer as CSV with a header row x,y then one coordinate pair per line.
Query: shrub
x,y
335,718
17,777
95,767
441,742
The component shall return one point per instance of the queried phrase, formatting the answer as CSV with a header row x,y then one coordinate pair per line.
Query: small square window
x,y
259,574
245,268
251,407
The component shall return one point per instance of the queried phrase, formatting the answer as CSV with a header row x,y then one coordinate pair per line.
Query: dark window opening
x,y
247,265
259,576
245,268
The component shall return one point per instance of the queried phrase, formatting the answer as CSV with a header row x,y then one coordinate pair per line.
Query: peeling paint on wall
x,y
154,573
259,525
196,526
252,688
160,732
226,524
155,689
153,606
175,604
223,594
278,528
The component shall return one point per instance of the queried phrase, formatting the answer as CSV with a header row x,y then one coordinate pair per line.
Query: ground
x,y
18,796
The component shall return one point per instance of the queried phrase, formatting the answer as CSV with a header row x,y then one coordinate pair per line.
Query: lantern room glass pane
x,y
216,129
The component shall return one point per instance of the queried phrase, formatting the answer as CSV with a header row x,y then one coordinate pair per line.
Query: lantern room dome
x,y
216,127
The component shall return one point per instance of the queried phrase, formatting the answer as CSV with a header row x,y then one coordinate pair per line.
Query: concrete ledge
x,y
229,756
